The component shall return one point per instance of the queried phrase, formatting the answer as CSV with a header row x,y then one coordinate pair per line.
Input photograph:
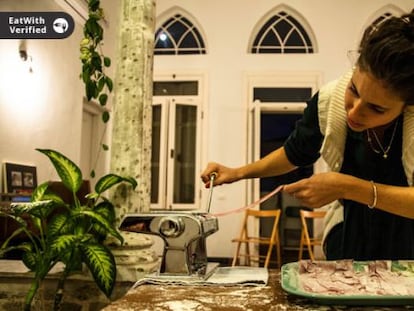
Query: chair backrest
x,y
263,213
245,238
275,214
312,214
305,215
308,237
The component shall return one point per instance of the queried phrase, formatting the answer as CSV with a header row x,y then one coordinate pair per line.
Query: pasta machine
x,y
184,235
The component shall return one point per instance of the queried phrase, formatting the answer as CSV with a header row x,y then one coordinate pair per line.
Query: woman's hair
x,y
387,52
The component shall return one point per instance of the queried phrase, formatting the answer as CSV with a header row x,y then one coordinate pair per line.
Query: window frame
x,y
290,12
166,178
255,108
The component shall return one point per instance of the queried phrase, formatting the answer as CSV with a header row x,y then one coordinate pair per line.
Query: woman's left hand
x,y
317,190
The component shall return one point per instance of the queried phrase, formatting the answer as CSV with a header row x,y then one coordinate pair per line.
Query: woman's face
x,y
368,103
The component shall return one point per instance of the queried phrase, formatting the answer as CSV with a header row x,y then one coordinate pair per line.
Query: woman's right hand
x,y
224,175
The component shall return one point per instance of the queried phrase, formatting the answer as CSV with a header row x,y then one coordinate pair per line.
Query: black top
x,y
365,234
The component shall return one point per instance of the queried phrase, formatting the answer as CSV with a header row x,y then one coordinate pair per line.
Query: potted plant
x,y
73,235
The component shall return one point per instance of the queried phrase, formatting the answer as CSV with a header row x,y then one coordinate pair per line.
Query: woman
x,y
363,126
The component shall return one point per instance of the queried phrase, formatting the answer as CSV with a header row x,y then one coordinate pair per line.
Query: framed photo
x,y
19,178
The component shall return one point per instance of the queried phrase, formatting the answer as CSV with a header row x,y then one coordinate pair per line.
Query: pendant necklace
x,y
383,150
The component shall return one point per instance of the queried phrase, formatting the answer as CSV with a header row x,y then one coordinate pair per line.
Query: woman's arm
x,y
273,164
321,189
393,199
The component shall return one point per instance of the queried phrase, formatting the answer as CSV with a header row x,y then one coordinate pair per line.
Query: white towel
x,y
222,276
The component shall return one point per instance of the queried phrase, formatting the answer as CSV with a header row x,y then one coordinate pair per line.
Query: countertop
x,y
227,298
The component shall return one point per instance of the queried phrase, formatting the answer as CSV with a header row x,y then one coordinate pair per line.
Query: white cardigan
x,y
332,123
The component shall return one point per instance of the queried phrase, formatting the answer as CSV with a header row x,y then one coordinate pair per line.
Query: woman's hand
x,y
317,190
224,175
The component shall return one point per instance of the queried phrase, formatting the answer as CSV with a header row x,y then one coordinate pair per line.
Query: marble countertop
x,y
227,298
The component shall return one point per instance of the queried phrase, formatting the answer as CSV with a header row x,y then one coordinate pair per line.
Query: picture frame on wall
x,y
19,178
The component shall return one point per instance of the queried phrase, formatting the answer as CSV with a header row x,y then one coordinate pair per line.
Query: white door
x,y
87,143
92,155
175,153
274,94
276,104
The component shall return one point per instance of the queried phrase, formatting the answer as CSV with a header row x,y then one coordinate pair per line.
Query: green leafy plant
x,y
68,233
97,83
72,233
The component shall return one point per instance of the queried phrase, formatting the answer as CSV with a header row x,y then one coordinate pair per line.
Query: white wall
x,y
43,109
227,26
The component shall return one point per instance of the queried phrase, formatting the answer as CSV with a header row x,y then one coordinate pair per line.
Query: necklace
x,y
383,150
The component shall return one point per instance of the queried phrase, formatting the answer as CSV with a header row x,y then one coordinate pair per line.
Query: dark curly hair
x,y
387,52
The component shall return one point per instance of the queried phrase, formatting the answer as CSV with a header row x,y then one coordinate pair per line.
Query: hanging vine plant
x,y
97,84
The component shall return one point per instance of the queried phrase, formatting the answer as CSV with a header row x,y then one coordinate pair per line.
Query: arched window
x,y
380,20
178,35
282,33
382,15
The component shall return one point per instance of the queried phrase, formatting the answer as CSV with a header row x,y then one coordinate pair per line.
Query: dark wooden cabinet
x,y
8,225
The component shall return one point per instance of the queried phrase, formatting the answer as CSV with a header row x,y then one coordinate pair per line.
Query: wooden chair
x,y
307,238
246,239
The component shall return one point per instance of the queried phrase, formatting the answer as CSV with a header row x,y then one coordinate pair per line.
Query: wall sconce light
x,y
23,54
23,50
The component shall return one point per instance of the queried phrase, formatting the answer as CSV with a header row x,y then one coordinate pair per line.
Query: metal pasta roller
x,y
184,234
